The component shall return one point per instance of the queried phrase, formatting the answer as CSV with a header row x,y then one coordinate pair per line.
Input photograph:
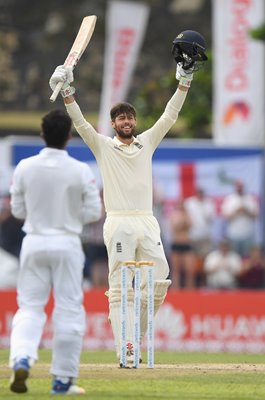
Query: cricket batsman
x,y
131,232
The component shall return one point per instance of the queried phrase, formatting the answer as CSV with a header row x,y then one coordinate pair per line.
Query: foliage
x,y
195,118
198,105
258,33
36,38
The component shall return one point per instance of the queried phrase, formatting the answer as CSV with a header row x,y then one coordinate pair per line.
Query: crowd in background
x,y
234,261
195,259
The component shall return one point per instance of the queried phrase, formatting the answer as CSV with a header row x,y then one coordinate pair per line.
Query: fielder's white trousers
x,y
54,262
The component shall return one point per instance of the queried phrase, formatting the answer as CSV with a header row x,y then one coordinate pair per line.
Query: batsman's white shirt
x,y
130,231
126,170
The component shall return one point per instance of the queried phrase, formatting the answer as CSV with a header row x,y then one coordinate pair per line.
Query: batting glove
x,y
184,76
65,75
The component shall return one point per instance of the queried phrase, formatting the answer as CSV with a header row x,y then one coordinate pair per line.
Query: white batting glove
x,y
184,76
65,75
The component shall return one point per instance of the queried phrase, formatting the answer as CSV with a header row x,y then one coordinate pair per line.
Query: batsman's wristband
x,y
185,81
69,91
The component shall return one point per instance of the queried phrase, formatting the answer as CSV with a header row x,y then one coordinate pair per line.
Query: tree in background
x,y
259,33
196,115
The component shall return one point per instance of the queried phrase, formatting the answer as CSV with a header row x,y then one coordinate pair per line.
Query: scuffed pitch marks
x,y
41,370
199,367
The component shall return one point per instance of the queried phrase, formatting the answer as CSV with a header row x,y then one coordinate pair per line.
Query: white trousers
x,y
131,237
134,237
54,262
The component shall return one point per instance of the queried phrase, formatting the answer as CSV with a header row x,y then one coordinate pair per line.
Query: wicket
x,y
137,312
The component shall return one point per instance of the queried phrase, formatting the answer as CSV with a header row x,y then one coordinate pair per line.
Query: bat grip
x,y
56,91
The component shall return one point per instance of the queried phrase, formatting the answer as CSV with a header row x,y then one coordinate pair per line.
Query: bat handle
x,y
56,91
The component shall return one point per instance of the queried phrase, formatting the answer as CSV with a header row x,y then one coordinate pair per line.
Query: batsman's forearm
x,y
183,88
78,119
69,99
84,128
175,104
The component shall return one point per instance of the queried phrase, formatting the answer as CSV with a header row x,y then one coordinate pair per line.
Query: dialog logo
x,y
237,110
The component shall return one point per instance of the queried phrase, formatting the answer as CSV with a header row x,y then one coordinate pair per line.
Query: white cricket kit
x,y
131,232
126,172
61,201
127,169
56,195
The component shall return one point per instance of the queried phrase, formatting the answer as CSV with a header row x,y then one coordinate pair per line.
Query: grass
x,y
183,376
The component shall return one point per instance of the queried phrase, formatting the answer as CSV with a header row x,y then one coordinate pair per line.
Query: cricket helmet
x,y
189,49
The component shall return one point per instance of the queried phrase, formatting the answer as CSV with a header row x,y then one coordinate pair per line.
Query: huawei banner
x,y
213,321
239,63
126,24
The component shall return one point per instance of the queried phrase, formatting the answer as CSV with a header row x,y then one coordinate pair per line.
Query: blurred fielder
x,y
131,232
56,195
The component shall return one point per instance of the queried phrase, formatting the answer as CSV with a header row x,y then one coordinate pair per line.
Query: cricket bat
x,y
81,41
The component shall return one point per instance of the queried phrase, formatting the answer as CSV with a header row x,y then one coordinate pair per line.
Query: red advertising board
x,y
212,321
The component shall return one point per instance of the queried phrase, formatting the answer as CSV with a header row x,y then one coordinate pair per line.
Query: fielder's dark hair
x,y
122,108
56,127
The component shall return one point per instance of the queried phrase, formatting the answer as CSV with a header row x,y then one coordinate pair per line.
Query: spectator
x,y
240,211
253,271
11,229
182,260
222,267
8,270
201,210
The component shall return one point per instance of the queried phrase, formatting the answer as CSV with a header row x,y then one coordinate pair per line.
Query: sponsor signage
x,y
202,320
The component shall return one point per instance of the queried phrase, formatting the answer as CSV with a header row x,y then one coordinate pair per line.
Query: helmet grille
x,y
189,49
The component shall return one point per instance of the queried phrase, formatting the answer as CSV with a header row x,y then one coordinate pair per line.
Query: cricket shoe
x,y
130,356
68,388
19,376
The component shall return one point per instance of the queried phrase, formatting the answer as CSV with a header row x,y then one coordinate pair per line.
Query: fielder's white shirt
x,y
61,200
126,170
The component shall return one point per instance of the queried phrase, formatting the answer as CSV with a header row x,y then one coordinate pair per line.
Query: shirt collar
x,y
117,142
52,151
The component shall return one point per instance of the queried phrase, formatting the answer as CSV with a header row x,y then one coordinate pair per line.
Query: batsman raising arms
x,y
131,232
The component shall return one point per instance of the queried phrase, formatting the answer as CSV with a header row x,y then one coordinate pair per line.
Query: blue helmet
x,y
189,49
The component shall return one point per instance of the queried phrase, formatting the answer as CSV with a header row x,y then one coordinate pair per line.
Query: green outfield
x,y
183,376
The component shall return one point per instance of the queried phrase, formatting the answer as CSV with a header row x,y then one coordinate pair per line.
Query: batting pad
x,y
114,296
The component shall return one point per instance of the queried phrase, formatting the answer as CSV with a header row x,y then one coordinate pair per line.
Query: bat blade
x,y
80,43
